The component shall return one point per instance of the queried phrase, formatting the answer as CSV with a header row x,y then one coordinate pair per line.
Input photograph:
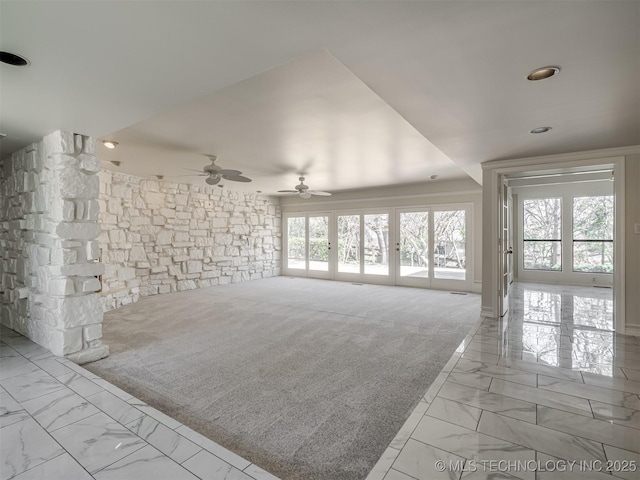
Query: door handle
x,y
509,252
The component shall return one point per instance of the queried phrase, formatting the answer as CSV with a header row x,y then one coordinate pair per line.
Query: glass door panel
x,y
319,246
449,244
349,244
296,243
413,244
376,244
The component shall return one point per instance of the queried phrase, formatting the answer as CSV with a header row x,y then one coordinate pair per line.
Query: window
x,y
542,234
449,242
296,243
593,234
376,244
349,243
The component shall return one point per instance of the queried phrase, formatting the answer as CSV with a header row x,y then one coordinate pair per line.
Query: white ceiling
x,y
355,94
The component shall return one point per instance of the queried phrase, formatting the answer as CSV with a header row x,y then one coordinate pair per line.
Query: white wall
x,y
48,254
161,237
417,195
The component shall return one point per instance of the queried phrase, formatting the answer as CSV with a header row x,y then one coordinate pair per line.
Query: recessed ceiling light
x,y
433,177
110,144
542,73
117,163
540,130
2,135
159,177
13,59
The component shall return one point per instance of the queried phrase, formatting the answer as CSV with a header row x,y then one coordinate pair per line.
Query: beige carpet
x,y
309,379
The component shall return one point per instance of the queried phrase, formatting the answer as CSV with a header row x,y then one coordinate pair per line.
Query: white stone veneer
x,y
48,248
161,237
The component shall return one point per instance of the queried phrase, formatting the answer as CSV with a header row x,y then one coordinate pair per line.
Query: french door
x,y
363,252
425,247
432,248
307,245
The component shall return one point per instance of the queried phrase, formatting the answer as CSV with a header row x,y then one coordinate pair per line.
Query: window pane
x,y
543,256
542,219
376,244
349,243
593,218
296,243
414,244
319,243
449,237
593,257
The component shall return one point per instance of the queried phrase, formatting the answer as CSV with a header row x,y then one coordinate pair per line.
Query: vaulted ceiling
x,y
352,94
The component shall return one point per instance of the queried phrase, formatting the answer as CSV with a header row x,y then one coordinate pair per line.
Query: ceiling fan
x,y
303,190
215,173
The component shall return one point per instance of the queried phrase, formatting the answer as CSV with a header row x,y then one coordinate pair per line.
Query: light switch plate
x,y
637,228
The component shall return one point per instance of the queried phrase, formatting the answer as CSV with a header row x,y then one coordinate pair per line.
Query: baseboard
x,y
632,329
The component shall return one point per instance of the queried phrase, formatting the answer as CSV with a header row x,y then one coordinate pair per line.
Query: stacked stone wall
x,y
49,251
161,237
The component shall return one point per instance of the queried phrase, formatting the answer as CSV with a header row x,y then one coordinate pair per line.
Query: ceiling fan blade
x,y
288,191
236,178
317,192
201,175
192,170
230,173
213,180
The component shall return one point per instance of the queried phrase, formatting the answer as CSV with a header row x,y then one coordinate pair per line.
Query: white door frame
x,y
493,174
306,272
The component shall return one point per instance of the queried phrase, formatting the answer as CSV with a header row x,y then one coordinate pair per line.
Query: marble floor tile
x,y
613,414
164,439
58,409
454,412
97,441
396,475
409,425
33,350
218,450
484,357
536,395
10,410
625,468
474,380
79,384
14,365
632,374
258,473
31,385
209,467
7,351
435,387
383,464
473,445
497,371
81,370
53,367
25,445
540,438
531,367
591,392
489,401
613,383
157,415
115,407
118,392
418,460
597,430
145,463
63,467
575,475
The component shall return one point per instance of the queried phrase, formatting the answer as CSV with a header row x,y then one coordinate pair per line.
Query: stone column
x,y
55,206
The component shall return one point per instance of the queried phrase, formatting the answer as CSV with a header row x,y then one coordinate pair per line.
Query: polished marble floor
x,y
550,392
59,421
